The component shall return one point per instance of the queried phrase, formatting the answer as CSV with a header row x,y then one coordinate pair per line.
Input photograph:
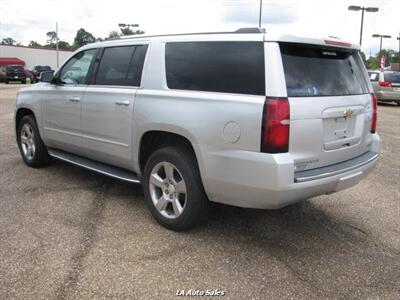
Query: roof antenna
x,y
259,17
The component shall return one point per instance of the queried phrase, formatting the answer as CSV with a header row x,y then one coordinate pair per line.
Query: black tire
x,y
41,157
6,81
23,81
195,207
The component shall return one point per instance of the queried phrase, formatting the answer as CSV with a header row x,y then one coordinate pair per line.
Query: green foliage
x,y
128,31
34,44
372,63
113,35
8,41
83,37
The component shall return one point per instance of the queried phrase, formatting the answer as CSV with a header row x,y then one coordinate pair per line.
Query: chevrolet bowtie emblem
x,y
348,112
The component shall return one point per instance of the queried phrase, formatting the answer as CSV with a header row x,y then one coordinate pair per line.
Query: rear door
x,y
107,108
330,104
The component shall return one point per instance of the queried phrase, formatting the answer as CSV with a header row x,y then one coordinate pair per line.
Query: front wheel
x,y
174,190
31,146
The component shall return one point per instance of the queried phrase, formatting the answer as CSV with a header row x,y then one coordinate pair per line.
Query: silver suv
x,y
386,85
241,118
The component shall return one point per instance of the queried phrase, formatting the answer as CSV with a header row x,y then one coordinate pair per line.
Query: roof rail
x,y
250,30
240,30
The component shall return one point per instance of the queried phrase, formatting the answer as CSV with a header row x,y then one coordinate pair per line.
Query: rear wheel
x,y
6,81
31,146
173,189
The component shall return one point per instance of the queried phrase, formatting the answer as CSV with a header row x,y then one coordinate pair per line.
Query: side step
x,y
95,166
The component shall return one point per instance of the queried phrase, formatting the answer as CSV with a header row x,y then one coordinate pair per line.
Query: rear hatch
x,y
330,104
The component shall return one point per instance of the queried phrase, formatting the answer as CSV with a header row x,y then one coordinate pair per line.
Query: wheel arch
x,y
153,140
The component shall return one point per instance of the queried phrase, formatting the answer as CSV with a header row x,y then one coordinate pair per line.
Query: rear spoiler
x,y
330,42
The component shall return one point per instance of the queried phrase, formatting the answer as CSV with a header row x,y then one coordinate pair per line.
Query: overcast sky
x,y
26,20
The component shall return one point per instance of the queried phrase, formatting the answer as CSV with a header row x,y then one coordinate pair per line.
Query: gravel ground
x,y
68,233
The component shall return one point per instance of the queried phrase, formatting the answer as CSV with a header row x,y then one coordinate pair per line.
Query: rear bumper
x,y
257,180
388,96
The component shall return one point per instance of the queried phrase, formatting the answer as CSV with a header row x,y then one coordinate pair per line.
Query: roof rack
x,y
240,30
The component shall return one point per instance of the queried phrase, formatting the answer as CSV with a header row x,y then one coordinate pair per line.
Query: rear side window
x,y
226,67
392,77
121,66
136,66
313,71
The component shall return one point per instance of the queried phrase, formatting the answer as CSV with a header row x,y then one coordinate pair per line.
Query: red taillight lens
x,y
275,126
374,113
385,83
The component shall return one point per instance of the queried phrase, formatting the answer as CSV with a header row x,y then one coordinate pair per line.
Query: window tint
x,y
313,71
136,66
228,67
121,65
392,77
15,68
373,76
76,69
114,66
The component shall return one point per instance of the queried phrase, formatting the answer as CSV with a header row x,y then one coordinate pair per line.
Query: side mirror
x,y
46,76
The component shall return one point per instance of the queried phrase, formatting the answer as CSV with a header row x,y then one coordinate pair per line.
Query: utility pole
x,y
58,59
259,17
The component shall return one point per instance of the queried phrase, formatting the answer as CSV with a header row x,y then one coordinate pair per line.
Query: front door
x,y
62,103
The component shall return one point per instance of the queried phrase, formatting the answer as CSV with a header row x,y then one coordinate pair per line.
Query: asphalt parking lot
x,y
68,233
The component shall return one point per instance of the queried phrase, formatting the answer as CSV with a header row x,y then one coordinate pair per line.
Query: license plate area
x,y
342,127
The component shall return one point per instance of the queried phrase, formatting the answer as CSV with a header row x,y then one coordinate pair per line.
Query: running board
x,y
95,166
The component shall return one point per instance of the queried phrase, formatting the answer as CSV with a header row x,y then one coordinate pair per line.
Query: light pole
x,y
259,17
398,38
381,36
367,9
123,25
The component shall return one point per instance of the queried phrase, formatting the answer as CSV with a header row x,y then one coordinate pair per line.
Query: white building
x,y
35,56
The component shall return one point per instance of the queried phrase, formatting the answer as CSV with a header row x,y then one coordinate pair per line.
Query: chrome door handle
x,y
74,99
123,102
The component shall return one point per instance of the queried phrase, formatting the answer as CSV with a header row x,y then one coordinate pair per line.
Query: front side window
x,y
226,67
312,71
76,69
121,66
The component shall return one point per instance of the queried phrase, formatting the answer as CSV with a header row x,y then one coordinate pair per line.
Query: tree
x,y
8,41
64,45
128,31
52,36
113,35
372,63
34,44
83,37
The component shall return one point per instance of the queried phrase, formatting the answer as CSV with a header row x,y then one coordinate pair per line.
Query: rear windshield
x,y
392,77
313,71
15,68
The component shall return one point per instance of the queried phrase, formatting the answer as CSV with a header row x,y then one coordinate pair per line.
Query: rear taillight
x,y
374,113
385,83
275,126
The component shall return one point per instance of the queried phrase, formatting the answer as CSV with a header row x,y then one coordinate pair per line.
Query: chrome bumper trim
x,y
302,175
